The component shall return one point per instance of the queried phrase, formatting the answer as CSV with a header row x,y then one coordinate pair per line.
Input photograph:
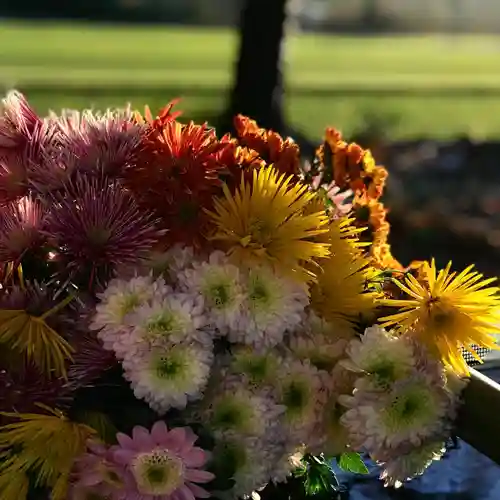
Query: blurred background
x,y
417,81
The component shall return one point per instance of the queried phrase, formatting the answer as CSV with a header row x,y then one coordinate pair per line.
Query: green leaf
x,y
352,462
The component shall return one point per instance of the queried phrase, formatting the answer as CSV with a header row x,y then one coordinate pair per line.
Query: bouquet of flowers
x,y
184,315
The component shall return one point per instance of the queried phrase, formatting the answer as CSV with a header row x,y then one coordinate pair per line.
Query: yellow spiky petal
x,y
447,312
341,295
44,445
264,221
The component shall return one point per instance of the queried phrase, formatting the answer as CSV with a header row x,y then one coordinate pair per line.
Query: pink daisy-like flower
x,y
98,472
162,464
97,227
20,224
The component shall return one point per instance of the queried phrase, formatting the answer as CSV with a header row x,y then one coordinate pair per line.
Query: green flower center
x,y
158,472
295,397
231,414
111,477
168,368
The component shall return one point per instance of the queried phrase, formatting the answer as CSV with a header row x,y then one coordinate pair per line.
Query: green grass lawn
x,y
430,85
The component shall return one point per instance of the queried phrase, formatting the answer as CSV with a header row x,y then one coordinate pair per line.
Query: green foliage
x,y
352,462
319,479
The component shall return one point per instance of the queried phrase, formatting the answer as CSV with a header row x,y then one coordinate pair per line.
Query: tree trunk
x,y
258,87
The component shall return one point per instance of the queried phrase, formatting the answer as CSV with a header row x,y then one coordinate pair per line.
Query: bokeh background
x,y
417,81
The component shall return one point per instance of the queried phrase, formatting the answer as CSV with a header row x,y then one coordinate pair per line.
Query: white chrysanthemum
x,y
219,284
300,390
405,466
248,459
171,263
274,305
316,341
258,367
285,462
170,320
120,299
412,411
169,377
384,357
242,413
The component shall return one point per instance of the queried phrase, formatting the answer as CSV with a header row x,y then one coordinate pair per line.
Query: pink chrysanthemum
x,y
17,122
20,225
105,143
162,464
97,471
97,226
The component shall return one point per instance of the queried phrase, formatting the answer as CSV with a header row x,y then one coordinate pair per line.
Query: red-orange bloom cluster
x,y
177,175
284,154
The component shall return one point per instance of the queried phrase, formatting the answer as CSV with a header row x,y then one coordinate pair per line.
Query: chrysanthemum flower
x,y
218,284
258,367
18,121
249,462
169,377
341,295
104,143
13,180
97,471
411,412
36,323
265,222
274,305
176,177
169,320
234,410
400,466
299,387
384,357
97,227
118,302
90,361
163,464
272,148
172,263
20,224
447,312
318,341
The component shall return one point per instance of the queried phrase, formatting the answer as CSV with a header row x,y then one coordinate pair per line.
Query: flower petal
x,y
125,441
185,493
123,456
195,458
159,432
142,439
176,439
198,492
199,476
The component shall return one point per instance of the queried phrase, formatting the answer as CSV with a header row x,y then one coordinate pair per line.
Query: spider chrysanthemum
x,y
97,227
448,311
265,222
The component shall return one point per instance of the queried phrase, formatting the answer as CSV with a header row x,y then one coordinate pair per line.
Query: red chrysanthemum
x,y
284,154
20,226
176,177
96,226
165,115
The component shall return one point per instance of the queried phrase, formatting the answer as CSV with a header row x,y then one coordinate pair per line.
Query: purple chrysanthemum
x,y
90,361
23,387
13,183
97,226
20,226
17,122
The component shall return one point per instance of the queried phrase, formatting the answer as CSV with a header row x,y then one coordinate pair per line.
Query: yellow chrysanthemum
x,y
265,221
448,312
341,295
43,445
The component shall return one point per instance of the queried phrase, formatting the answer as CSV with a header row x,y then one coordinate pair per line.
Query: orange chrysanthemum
x,y
177,176
283,154
166,114
351,167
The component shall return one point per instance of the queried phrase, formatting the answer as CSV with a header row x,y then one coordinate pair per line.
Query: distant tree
x,y
258,88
